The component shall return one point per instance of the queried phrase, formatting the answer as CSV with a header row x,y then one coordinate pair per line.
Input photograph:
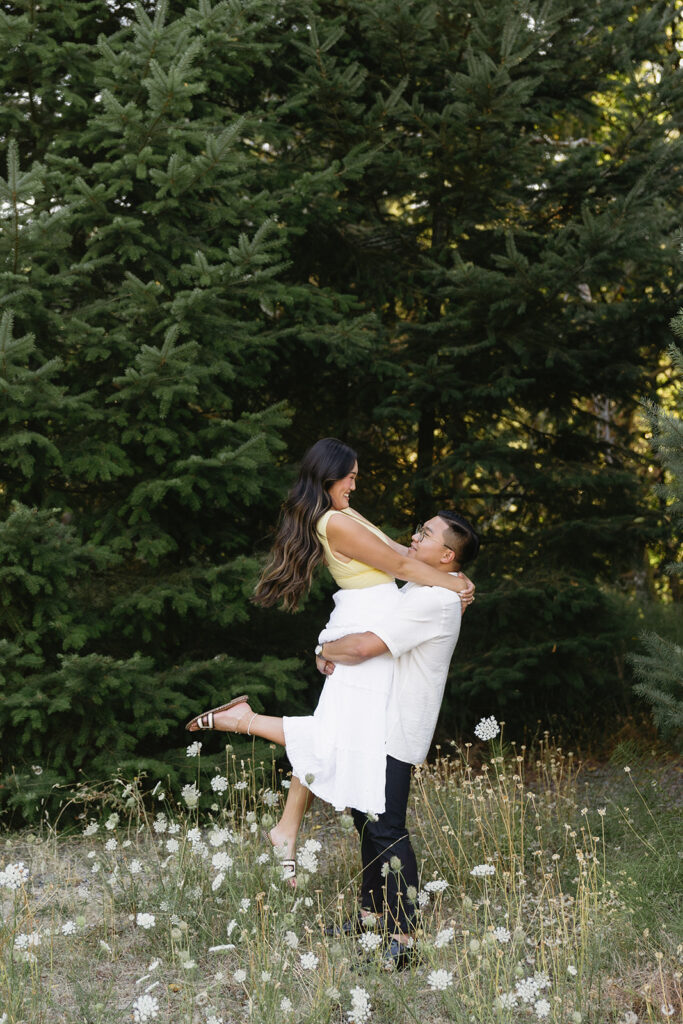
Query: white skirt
x,y
339,752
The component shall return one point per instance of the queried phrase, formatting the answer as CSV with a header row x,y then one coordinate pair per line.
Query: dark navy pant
x,y
382,840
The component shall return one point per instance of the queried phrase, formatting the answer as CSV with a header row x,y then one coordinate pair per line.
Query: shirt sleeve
x,y
416,617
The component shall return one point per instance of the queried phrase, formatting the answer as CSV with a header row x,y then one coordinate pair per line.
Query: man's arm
x,y
349,650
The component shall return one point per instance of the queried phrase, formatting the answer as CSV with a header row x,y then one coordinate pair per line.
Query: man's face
x,y
428,543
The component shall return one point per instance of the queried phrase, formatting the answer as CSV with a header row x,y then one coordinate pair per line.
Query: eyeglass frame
x,y
421,531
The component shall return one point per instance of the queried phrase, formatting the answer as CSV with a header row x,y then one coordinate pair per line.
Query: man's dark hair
x,y
461,536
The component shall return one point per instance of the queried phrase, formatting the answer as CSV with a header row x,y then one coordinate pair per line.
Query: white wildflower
x,y
240,785
231,927
285,1004
213,1019
111,822
572,970
291,940
444,937
194,836
135,867
14,876
266,976
369,941
172,845
440,980
68,928
262,858
438,885
145,921
541,1008
219,783
28,941
482,870
110,845
190,795
91,828
526,990
173,828
218,836
270,798
218,881
423,899
160,823
145,1008
309,961
222,861
501,934
542,980
507,1000
667,1009
360,1006
193,749
240,976
332,993
245,902
487,728
306,856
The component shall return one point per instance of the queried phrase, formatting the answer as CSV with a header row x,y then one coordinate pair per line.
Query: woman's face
x,y
340,490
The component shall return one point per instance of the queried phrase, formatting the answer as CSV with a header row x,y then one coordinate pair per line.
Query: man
x,y
421,635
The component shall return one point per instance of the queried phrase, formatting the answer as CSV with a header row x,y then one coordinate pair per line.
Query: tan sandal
x,y
205,720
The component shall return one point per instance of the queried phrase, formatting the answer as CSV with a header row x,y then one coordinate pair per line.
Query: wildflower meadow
x,y
548,893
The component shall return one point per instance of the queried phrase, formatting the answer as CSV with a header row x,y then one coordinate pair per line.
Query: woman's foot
x,y
235,716
285,851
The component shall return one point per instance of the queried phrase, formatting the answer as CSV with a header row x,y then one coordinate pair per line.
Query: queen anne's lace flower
x,y
194,748
526,990
487,728
309,961
360,1006
482,870
501,935
440,980
146,921
14,876
541,1008
222,861
190,795
444,937
438,885
145,1008
219,783
369,941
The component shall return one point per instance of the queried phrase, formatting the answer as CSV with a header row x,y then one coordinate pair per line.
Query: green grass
x,y
583,897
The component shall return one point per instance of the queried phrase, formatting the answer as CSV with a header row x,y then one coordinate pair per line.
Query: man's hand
x,y
466,595
324,666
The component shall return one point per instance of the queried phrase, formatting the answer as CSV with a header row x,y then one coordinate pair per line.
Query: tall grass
x,y
541,899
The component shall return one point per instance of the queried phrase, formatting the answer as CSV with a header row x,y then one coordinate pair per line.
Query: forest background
x,y
445,232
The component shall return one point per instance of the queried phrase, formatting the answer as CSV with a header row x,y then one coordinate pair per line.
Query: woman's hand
x,y
466,595
324,666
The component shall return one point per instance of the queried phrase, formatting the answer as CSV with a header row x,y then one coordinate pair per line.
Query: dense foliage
x,y
438,230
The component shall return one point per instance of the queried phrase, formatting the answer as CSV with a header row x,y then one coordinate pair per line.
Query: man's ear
x,y
449,556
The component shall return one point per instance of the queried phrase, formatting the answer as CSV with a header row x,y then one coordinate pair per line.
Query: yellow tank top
x,y
353,575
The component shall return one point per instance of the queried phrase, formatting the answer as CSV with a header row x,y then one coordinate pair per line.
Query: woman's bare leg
x,y
284,833
241,719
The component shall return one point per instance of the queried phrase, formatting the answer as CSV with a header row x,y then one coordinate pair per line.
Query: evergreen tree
x,y
139,260
660,671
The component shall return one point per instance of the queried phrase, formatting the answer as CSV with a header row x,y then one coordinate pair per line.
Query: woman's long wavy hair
x,y
297,550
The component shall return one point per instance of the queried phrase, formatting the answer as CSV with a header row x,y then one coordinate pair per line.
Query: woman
x,y
339,751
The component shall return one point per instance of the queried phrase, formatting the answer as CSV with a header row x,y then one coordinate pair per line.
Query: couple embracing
x,y
384,653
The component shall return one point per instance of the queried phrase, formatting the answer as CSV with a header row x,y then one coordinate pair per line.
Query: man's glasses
x,y
422,533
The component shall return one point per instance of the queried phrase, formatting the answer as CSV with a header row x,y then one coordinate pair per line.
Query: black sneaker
x,y
352,926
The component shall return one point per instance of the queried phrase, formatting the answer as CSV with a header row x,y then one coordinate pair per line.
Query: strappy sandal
x,y
205,720
289,872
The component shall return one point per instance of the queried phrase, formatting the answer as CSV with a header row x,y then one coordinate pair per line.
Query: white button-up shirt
x,y
421,630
